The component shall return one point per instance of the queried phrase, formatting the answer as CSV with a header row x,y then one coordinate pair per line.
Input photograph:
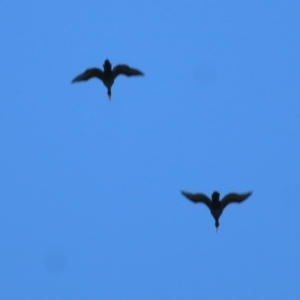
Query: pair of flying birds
x,y
108,76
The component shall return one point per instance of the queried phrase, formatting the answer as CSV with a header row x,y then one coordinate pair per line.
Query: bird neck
x,y
215,200
215,197
107,66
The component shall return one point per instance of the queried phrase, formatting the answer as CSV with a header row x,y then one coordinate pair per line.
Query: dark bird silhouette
x,y
107,76
214,204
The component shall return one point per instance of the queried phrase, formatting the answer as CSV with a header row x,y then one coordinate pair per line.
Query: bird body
x,y
108,75
215,205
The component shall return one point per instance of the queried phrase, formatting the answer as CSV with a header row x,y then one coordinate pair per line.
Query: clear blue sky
x,y
90,188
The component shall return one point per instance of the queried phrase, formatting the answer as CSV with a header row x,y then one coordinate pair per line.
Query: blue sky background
x,y
90,189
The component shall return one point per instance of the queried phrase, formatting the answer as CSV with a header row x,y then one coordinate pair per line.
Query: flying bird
x,y
107,76
215,205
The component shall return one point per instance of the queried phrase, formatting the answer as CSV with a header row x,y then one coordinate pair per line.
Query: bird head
x,y
107,65
215,196
109,94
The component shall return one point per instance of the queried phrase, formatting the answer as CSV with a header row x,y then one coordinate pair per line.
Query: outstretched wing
x,y
197,198
88,74
125,70
234,198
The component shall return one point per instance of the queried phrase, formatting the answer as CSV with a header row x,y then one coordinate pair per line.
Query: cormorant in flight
x,y
214,204
107,76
